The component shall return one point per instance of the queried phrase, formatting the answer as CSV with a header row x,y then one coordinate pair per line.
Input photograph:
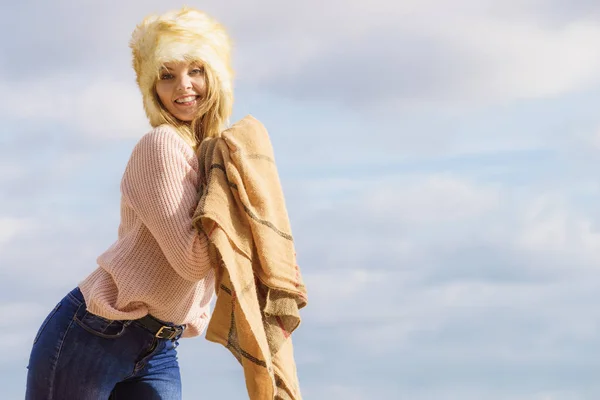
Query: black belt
x,y
159,330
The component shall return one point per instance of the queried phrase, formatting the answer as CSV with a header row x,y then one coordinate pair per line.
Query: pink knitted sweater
x,y
159,263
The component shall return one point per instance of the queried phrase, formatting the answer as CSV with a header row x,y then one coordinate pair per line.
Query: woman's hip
x,y
77,352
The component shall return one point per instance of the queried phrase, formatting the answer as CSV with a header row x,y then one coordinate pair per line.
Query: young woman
x,y
115,335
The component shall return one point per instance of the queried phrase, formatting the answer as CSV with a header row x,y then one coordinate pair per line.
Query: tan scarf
x,y
259,286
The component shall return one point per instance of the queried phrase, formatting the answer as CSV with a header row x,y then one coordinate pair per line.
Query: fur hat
x,y
185,34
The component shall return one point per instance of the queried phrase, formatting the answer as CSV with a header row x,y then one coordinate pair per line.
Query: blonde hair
x,y
185,35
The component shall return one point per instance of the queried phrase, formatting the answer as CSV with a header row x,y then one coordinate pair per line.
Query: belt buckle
x,y
171,336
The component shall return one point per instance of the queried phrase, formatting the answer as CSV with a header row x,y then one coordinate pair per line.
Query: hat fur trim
x,y
182,35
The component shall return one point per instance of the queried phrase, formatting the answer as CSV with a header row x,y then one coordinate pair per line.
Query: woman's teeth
x,y
185,99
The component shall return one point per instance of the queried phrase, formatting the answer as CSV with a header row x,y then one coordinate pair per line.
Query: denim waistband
x,y
78,298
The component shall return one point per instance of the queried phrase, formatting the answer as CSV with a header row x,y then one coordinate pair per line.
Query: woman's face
x,y
181,87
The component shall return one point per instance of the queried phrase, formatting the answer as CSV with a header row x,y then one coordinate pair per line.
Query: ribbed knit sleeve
x,y
160,184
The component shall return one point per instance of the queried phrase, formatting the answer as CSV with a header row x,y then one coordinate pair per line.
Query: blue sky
x,y
439,162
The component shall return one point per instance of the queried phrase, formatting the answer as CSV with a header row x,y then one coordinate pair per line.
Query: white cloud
x,y
427,199
418,53
337,391
101,108
441,301
519,60
551,226
28,316
411,53
11,172
11,228
464,277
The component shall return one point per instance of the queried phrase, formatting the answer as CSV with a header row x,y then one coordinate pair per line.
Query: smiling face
x,y
181,87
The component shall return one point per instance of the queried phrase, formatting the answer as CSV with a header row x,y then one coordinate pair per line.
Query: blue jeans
x,y
78,355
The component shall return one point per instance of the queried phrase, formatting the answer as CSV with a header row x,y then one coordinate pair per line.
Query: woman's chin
x,y
184,117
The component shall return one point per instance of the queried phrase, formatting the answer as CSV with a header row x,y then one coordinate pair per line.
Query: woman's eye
x,y
197,71
166,76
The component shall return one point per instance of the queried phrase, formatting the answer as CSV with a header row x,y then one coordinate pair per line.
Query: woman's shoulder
x,y
162,133
163,139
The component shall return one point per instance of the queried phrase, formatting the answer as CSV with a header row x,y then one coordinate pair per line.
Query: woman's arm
x,y
160,184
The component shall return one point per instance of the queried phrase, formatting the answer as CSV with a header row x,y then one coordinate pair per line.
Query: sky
x,y
439,161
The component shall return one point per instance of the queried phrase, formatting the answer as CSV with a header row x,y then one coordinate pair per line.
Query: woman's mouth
x,y
186,101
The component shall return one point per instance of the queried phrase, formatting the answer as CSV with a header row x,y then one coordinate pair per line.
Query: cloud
x,y
398,295
438,301
382,55
11,228
449,245
431,53
431,199
28,315
100,108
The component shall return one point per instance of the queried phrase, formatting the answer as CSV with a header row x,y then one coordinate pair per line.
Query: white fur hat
x,y
185,34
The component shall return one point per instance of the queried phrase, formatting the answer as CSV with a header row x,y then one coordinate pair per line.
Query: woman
x,y
115,335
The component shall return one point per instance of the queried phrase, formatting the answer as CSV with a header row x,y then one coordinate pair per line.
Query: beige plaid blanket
x,y
259,286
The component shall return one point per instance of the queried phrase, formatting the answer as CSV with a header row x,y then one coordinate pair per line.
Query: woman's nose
x,y
184,82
